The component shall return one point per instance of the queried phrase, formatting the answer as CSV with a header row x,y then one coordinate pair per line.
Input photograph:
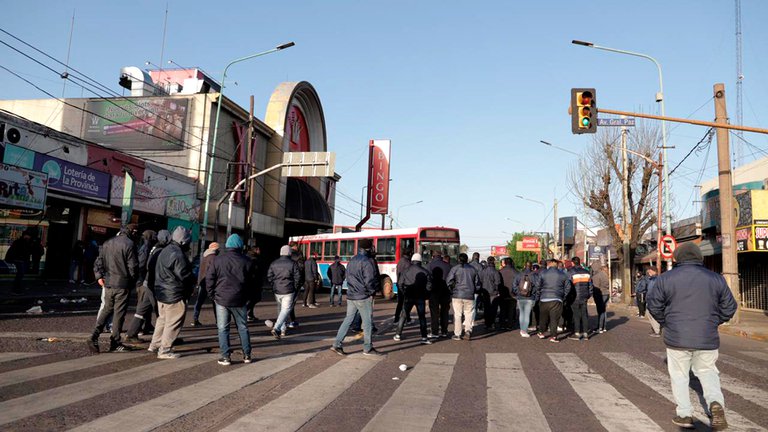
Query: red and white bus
x,y
390,246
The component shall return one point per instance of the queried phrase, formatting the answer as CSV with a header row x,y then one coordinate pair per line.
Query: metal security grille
x,y
753,282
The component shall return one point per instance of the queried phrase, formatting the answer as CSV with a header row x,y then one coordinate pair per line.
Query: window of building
x,y
385,249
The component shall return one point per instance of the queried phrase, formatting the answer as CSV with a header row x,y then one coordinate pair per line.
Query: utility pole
x,y
727,222
248,171
626,275
554,231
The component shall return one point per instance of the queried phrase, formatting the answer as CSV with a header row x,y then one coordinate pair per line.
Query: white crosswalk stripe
x,y
660,383
47,370
620,414
416,402
57,397
511,400
737,386
11,356
168,407
745,365
312,396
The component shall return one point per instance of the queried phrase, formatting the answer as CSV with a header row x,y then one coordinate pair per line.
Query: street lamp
x,y
398,211
209,176
660,100
559,148
532,200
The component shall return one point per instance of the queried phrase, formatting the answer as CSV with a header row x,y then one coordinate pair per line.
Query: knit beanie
x,y
688,252
234,242
285,251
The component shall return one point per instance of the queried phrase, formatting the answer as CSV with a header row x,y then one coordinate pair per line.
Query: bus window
x,y
407,246
316,248
385,249
330,249
346,249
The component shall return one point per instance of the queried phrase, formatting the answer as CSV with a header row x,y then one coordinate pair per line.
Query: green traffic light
x,y
585,122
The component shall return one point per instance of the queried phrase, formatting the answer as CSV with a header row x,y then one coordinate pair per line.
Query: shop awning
x,y
305,204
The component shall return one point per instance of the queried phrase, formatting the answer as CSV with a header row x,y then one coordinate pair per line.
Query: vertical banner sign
x,y
125,217
378,177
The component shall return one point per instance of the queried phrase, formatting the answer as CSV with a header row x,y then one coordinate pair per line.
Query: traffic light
x,y
583,111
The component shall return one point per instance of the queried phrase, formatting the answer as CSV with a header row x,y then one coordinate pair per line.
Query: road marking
x,y
47,370
11,356
511,400
416,402
612,409
737,387
295,408
154,413
756,354
57,397
744,365
660,383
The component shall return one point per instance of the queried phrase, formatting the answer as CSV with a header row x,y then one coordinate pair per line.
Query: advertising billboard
x,y
498,251
378,177
567,230
155,123
22,188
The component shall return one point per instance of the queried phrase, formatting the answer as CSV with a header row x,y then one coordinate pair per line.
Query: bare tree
x,y
596,180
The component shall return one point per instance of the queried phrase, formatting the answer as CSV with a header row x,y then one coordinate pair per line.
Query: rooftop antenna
x,y
739,147
165,27
65,74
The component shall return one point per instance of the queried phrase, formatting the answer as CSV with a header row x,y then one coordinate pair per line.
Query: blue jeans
x,y
524,307
680,363
334,289
284,307
601,310
365,307
222,322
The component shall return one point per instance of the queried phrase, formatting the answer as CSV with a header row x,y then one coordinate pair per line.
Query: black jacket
x,y
508,278
117,263
464,281
362,277
230,278
581,281
148,241
402,266
690,302
336,273
311,273
174,280
535,288
162,241
490,280
284,276
555,285
439,270
417,282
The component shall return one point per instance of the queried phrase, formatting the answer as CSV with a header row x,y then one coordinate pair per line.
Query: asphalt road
x,y
496,381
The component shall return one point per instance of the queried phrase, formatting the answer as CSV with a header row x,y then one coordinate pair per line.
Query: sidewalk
x,y
53,295
752,325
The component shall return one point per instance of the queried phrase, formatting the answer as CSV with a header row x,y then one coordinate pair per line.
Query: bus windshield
x,y
449,249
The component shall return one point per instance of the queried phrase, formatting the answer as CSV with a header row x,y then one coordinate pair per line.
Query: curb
x,y
734,330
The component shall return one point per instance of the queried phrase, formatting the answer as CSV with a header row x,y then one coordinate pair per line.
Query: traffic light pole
x,y
688,121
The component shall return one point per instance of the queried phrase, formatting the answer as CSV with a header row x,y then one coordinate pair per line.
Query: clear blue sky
x,y
465,90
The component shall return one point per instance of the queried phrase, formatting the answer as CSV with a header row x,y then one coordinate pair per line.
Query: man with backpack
x,y
526,290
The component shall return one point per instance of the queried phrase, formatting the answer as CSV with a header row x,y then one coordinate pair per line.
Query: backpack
x,y
524,290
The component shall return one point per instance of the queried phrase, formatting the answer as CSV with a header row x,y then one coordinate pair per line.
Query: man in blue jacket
x,y
690,302
581,281
285,277
229,279
362,283
464,282
554,288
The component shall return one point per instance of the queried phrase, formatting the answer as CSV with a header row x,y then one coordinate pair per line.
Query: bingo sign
x,y
378,176
761,238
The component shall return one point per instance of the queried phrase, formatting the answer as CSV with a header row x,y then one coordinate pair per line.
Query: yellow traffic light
x,y
583,111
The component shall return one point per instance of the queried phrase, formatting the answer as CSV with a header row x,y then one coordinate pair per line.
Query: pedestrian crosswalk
x,y
595,383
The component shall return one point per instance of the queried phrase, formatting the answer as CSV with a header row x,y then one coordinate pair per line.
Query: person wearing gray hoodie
x,y
146,304
174,282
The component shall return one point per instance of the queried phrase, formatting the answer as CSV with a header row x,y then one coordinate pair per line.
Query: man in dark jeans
x,y
641,290
116,270
601,289
440,297
416,283
507,293
555,286
581,281
311,281
490,279
402,266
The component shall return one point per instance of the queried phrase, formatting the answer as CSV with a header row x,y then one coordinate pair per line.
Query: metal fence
x,y
753,283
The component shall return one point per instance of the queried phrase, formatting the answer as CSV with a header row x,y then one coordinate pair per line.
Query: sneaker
x,y
456,337
431,336
397,337
316,304
196,323
426,341
541,336
312,306
601,331
683,422
283,333
170,355
120,348
575,336
225,361
554,340
251,318
152,350
293,324
275,334
444,335
305,305
247,359
524,334
93,346
531,329
560,328
718,416
338,350
372,352
269,323
654,334
467,335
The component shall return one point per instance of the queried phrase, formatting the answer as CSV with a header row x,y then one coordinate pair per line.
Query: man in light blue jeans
x,y
240,314
689,302
285,276
365,307
284,307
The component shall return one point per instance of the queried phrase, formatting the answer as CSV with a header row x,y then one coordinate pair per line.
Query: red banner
x,y
378,176
498,251
531,243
